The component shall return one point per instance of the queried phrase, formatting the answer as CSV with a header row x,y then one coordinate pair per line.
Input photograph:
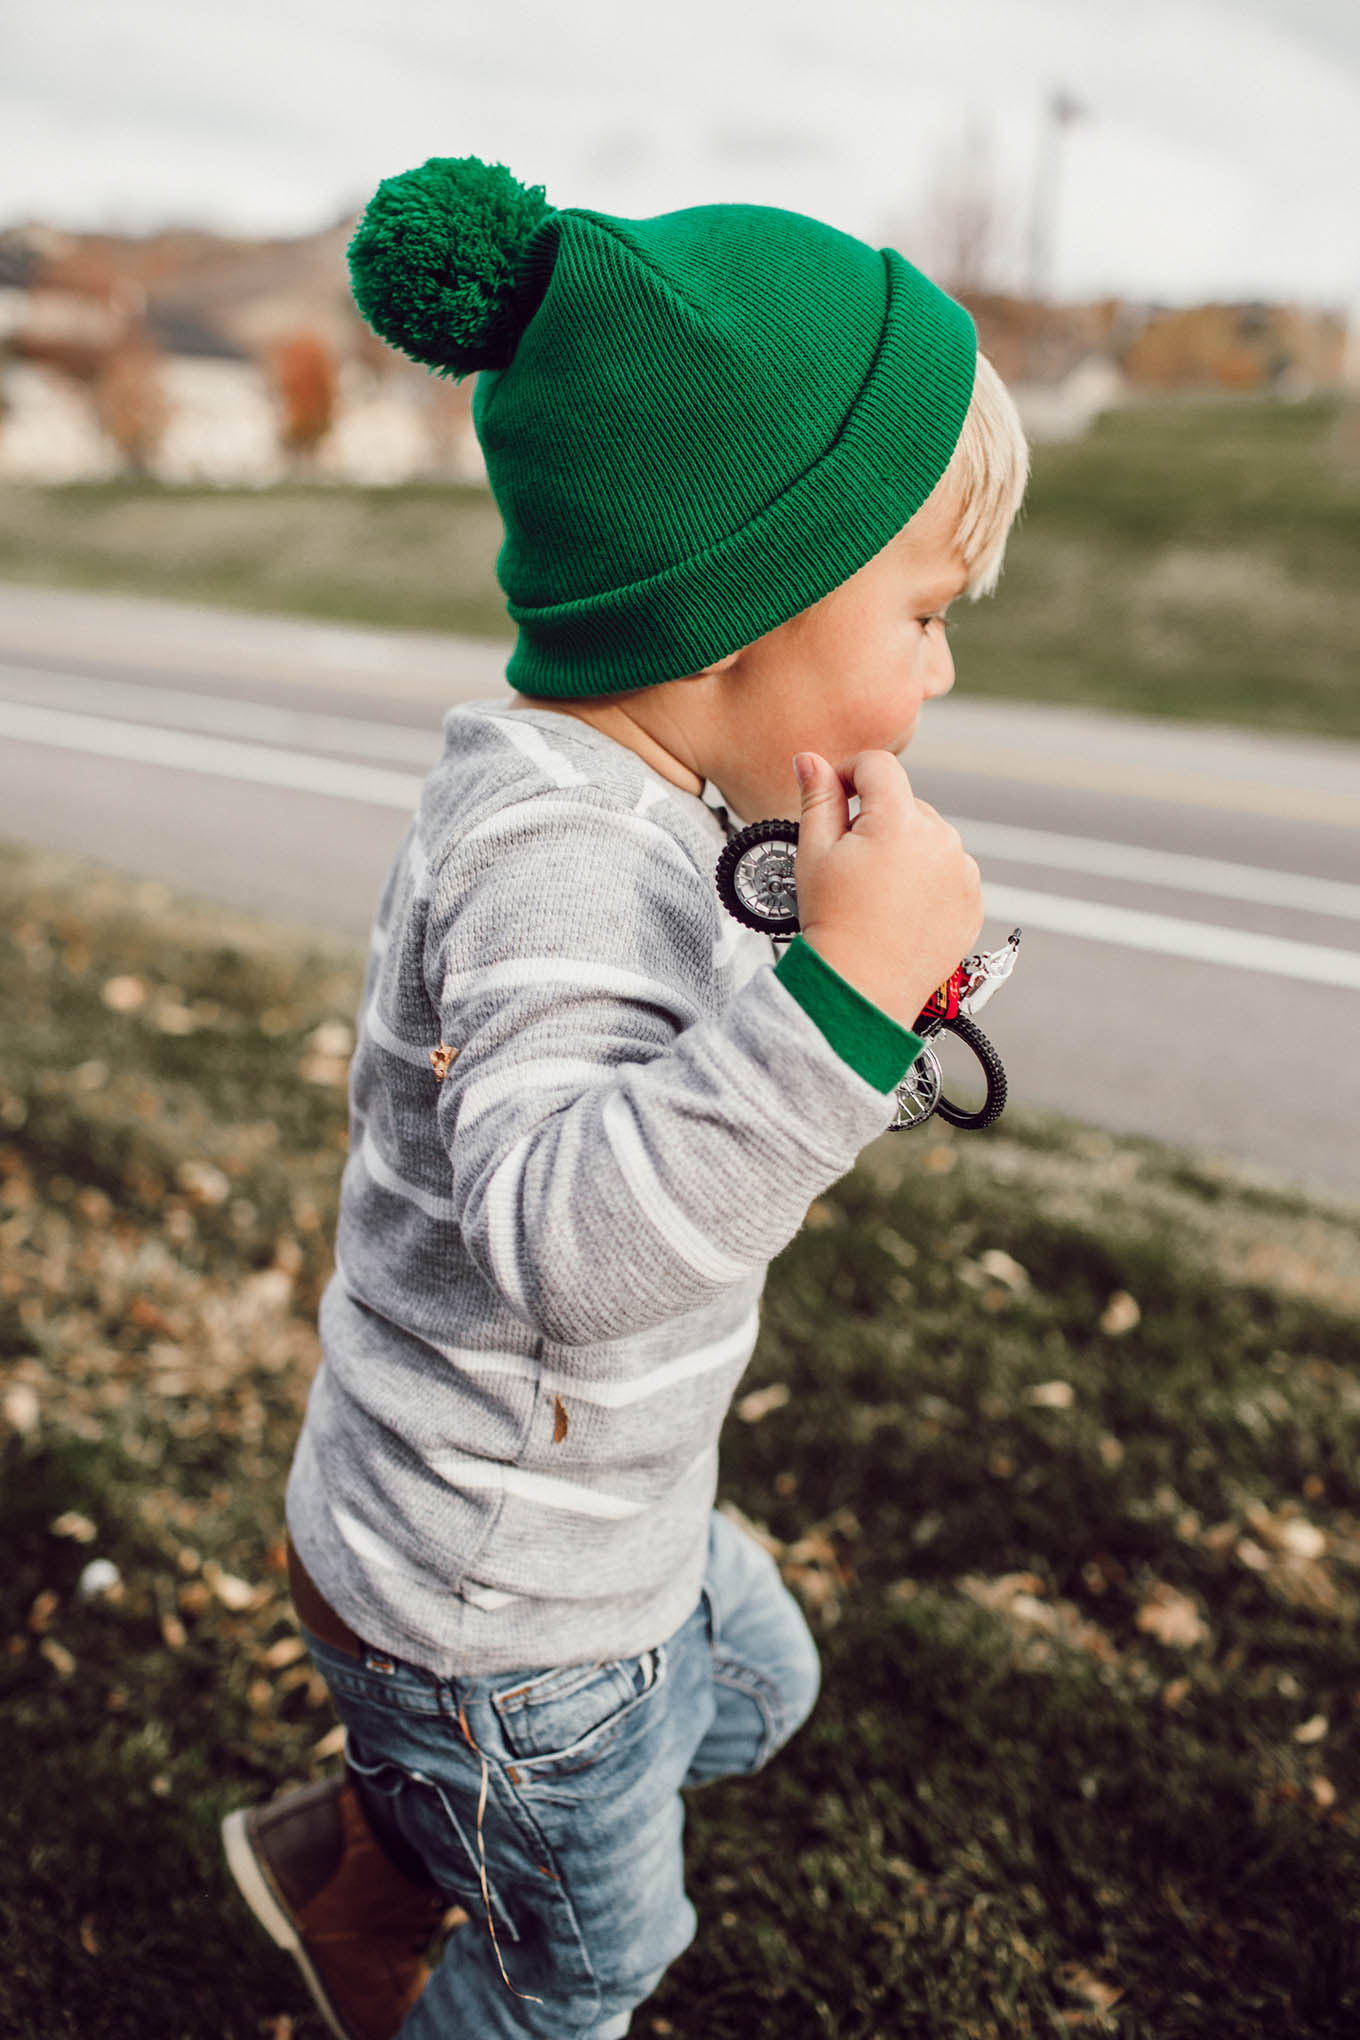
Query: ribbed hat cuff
x,y
893,447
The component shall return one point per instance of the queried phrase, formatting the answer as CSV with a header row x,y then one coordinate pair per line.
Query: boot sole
x,y
255,1888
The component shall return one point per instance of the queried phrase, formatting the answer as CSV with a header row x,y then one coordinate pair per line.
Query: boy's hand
x,y
891,900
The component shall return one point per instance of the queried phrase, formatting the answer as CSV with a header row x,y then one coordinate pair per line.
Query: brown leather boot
x,y
313,1873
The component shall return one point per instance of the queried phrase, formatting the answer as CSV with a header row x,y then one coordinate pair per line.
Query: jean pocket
x,y
568,1717
437,1816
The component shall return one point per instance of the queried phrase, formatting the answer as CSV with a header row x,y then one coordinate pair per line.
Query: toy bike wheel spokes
x,y
755,877
918,1094
993,1076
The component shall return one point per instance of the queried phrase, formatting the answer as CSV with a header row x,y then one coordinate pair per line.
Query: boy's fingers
x,y
878,778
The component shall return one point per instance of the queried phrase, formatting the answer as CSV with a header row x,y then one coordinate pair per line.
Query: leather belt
x,y
314,1612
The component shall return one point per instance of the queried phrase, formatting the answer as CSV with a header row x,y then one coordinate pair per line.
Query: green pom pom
x,y
435,262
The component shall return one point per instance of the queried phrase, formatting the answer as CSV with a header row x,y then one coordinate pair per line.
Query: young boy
x,y
745,463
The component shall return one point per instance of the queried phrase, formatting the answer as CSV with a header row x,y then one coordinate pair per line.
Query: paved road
x,y
1190,896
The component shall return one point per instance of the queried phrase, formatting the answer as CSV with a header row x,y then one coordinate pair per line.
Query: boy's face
x,y
848,675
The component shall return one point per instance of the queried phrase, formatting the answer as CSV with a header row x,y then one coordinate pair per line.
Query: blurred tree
x,y
130,400
963,229
306,382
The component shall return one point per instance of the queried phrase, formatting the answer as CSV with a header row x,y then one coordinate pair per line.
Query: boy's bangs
x,y
989,469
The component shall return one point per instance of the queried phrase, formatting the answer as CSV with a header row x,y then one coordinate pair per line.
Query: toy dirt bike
x,y
755,883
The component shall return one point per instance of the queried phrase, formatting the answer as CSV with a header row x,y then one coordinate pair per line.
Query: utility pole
x,y
1060,111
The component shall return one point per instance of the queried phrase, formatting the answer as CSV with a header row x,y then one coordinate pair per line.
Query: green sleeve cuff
x,y
861,1033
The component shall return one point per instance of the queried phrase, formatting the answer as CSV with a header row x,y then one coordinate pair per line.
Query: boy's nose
x,y
941,673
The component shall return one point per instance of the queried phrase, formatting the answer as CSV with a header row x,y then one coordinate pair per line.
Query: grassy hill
x,y
1054,1434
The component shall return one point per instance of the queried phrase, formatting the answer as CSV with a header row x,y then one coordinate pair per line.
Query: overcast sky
x,y
1218,154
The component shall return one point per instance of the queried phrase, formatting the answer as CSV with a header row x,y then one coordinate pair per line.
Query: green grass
x,y
1189,559
1086,1756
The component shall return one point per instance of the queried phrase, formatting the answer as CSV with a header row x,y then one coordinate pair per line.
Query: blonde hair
x,y
988,469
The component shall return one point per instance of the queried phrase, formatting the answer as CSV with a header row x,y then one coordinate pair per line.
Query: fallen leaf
x,y
100,1579
160,1785
22,1408
1175,1693
286,1651
45,1606
57,1655
1051,1395
1324,1792
170,1017
124,994
203,1182
1250,1554
1101,1996
89,1939
1120,1315
233,1592
762,1401
1312,1730
1000,1267
1171,1617
560,1420
331,1038
75,1526
173,1633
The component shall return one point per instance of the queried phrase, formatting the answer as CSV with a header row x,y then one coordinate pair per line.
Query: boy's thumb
x,y
825,811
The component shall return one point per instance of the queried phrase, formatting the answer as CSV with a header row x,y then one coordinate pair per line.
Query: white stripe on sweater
x,y
377,1028
463,1470
522,818
375,1549
728,942
609,1395
674,1225
526,1080
652,794
502,1222
487,1598
583,974
382,1172
549,1491
535,746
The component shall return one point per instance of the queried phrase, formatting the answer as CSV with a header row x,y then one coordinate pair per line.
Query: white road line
x,y
1168,868
1202,941
181,750
185,751
226,716
397,743
1134,781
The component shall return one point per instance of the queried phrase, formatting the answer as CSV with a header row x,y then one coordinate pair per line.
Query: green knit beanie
x,y
694,425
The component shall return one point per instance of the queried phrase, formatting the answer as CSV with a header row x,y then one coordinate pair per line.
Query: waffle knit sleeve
x,y
621,1153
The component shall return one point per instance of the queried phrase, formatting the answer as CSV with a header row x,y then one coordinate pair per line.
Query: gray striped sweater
x,y
549,1263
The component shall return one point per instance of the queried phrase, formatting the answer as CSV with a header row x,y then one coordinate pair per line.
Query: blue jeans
x,y
551,1797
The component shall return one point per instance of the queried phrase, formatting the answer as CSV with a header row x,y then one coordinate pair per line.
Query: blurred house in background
x,y
191,357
